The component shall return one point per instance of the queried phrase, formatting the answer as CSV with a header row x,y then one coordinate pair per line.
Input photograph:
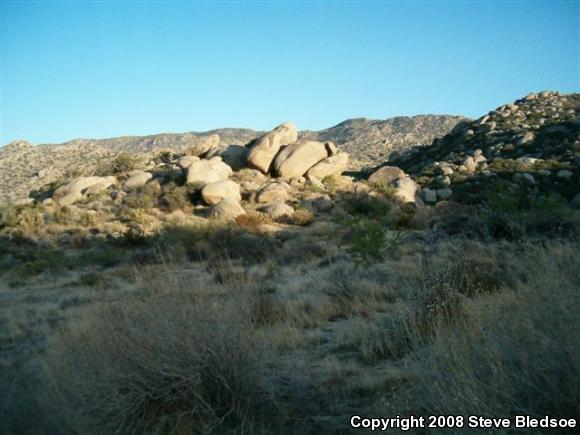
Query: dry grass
x,y
169,363
219,321
509,352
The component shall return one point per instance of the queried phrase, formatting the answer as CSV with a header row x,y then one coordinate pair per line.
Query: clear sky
x,y
99,69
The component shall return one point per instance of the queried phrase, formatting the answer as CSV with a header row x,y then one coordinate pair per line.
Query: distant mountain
x,y
24,167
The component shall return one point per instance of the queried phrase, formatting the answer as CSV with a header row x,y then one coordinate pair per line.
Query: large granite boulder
x,y
227,209
214,192
272,192
235,156
386,175
203,172
204,146
333,165
74,191
137,179
296,159
267,146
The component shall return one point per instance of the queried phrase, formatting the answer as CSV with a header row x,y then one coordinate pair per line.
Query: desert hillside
x,y
24,167
260,287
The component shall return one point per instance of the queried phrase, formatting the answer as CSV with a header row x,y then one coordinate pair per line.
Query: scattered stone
x,y
469,165
272,192
277,210
527,138
528,161
528,178
564,173
444,193
318,204
406,189
428,195
446,170
227,209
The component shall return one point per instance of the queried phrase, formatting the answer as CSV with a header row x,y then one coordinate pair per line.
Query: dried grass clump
x,y
509,352
165,364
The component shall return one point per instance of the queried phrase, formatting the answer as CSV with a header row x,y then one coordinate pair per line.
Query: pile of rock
x,y
267,170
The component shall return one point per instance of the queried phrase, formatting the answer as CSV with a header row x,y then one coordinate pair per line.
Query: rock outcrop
x,y
266,147
74,191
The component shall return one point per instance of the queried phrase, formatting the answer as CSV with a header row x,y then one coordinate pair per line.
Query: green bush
x,y
144,197
174,197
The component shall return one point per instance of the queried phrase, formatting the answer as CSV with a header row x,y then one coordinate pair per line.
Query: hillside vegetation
x,y
258,289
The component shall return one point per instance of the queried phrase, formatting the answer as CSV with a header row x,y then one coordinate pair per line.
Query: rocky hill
x,y
24,167
532,143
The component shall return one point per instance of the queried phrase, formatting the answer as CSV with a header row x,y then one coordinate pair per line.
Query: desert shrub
x,y
218,242
174,197
366,205
366,240
513,352
144,197
301,217
63,215
384,188
253,220
9,216
163,364
122,163
30,219
30,262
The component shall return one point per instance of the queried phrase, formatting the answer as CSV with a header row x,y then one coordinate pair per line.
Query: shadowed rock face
x,y
369,142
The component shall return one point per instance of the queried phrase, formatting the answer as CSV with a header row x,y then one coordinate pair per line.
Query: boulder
x,y
564,173
137,179
205,145
428,195
319,204
469,164
277,210
272,192
406,189
227,209
266,147
526,138
444,193
296,159
334,165
386,174
213,193
528,161
186,161
73,191
203,172
235,156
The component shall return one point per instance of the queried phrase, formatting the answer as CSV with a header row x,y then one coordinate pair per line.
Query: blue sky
x,y
98,69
